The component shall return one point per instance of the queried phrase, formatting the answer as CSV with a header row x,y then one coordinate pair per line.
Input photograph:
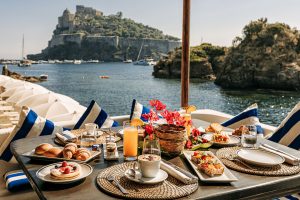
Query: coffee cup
x,y
149,165
91,128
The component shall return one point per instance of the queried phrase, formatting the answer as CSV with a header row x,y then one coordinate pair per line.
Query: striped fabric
x,y
290,197
94,114
137,110
247,117
29,125
16,181
288,132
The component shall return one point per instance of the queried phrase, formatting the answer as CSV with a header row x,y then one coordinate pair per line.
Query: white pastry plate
x,y
44,174
34,156
226,177
260,157
160,177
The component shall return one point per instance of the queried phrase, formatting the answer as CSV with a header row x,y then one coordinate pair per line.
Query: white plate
x,y
260,157
44,174
226,177
160,177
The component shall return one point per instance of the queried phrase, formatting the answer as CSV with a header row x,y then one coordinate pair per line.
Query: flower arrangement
x,y
158,111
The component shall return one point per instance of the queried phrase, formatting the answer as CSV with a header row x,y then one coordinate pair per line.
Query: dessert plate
x,y
233,140
226,177
260,157
44,174
160,177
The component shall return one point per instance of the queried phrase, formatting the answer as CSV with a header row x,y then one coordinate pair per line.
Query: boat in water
x,y
104,77
77,62
127,61
145,62
43,77
24,62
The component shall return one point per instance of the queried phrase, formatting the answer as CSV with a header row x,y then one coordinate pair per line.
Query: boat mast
x,y
140,51
23,47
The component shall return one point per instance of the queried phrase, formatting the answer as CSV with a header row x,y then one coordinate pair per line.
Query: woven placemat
x,y
100,139
171,188
278,170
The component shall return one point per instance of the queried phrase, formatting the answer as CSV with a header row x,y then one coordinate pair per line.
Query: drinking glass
x,y
187,116
249,138
89,137
130,141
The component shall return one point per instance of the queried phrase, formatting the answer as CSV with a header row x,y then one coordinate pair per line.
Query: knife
x,y
279,151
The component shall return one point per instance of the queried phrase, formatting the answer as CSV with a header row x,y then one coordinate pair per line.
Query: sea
x,y
127,82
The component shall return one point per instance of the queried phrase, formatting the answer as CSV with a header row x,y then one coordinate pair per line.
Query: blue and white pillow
x,y
16,181
247,117
94,114
137,110
29,125
288,132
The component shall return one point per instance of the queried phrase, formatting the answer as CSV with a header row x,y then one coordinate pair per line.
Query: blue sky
x,y
214,21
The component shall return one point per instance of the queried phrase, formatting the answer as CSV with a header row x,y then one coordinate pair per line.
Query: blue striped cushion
x,y
16,181
288,132
247,117
289,197
29,125
137,110
94,114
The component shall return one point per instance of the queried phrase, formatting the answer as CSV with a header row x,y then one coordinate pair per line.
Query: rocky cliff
x,y
89,34
204,64
266,57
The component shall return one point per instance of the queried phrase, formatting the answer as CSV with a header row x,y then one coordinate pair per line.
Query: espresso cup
x,y
91,128
149,165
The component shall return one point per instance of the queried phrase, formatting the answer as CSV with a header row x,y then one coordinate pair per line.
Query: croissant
x,y
82,154
69,150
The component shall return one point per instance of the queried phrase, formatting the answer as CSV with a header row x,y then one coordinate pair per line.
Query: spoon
x,y
112,179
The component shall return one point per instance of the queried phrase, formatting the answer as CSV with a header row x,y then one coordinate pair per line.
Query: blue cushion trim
x,y
296,143
101,118
84,116
132,108
17,185
66,129
115,124
22,133
276,137
241,116
48,128
13,175
259,129
145,111
290,197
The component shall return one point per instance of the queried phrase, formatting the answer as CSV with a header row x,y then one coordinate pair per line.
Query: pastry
x,y
201,157
211,168
221,138
54,152
82,154
241,130
214,127
69,150
42,148
65,170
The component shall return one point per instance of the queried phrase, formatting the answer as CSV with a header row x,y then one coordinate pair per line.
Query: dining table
x,y
247,187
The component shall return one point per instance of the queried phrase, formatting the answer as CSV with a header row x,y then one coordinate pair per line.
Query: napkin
x,y
16,181
290,159
178,173
66,136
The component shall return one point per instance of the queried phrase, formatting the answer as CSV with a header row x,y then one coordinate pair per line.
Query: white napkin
x,y
288,158
66,136
177,174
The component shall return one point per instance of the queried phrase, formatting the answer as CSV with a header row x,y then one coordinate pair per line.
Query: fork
x,y
231,158
112,179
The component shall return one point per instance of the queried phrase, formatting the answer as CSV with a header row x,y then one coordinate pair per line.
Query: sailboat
x,y
145,61
24,62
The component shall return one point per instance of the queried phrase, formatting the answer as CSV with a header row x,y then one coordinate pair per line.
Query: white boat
x,y
68,61
127,61
24,62
43,76
145,62
92,61
51,62
77,62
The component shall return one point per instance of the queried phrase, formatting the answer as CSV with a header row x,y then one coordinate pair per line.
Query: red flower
x,y
189,144
196,132
149,129
157,104
152,116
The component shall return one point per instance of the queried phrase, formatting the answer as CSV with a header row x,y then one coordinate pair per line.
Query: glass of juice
x,y
187,116
130,141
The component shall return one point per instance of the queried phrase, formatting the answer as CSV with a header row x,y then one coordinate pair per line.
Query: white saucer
x,y
160,177
44,174
260,157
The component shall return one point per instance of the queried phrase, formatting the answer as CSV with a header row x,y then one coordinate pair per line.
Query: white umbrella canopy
x,y
48,97
14,90
4,78
23,94
52,109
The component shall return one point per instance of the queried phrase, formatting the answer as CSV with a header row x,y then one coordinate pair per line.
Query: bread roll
x,y
54,152
69,150
42,148
82,154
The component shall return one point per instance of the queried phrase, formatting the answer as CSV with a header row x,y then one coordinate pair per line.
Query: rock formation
x,y
266,57
32,79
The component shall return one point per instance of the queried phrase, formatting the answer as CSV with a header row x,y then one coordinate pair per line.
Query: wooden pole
x,y
185,55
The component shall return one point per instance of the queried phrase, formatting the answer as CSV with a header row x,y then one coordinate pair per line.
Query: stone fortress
x,y
70,29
